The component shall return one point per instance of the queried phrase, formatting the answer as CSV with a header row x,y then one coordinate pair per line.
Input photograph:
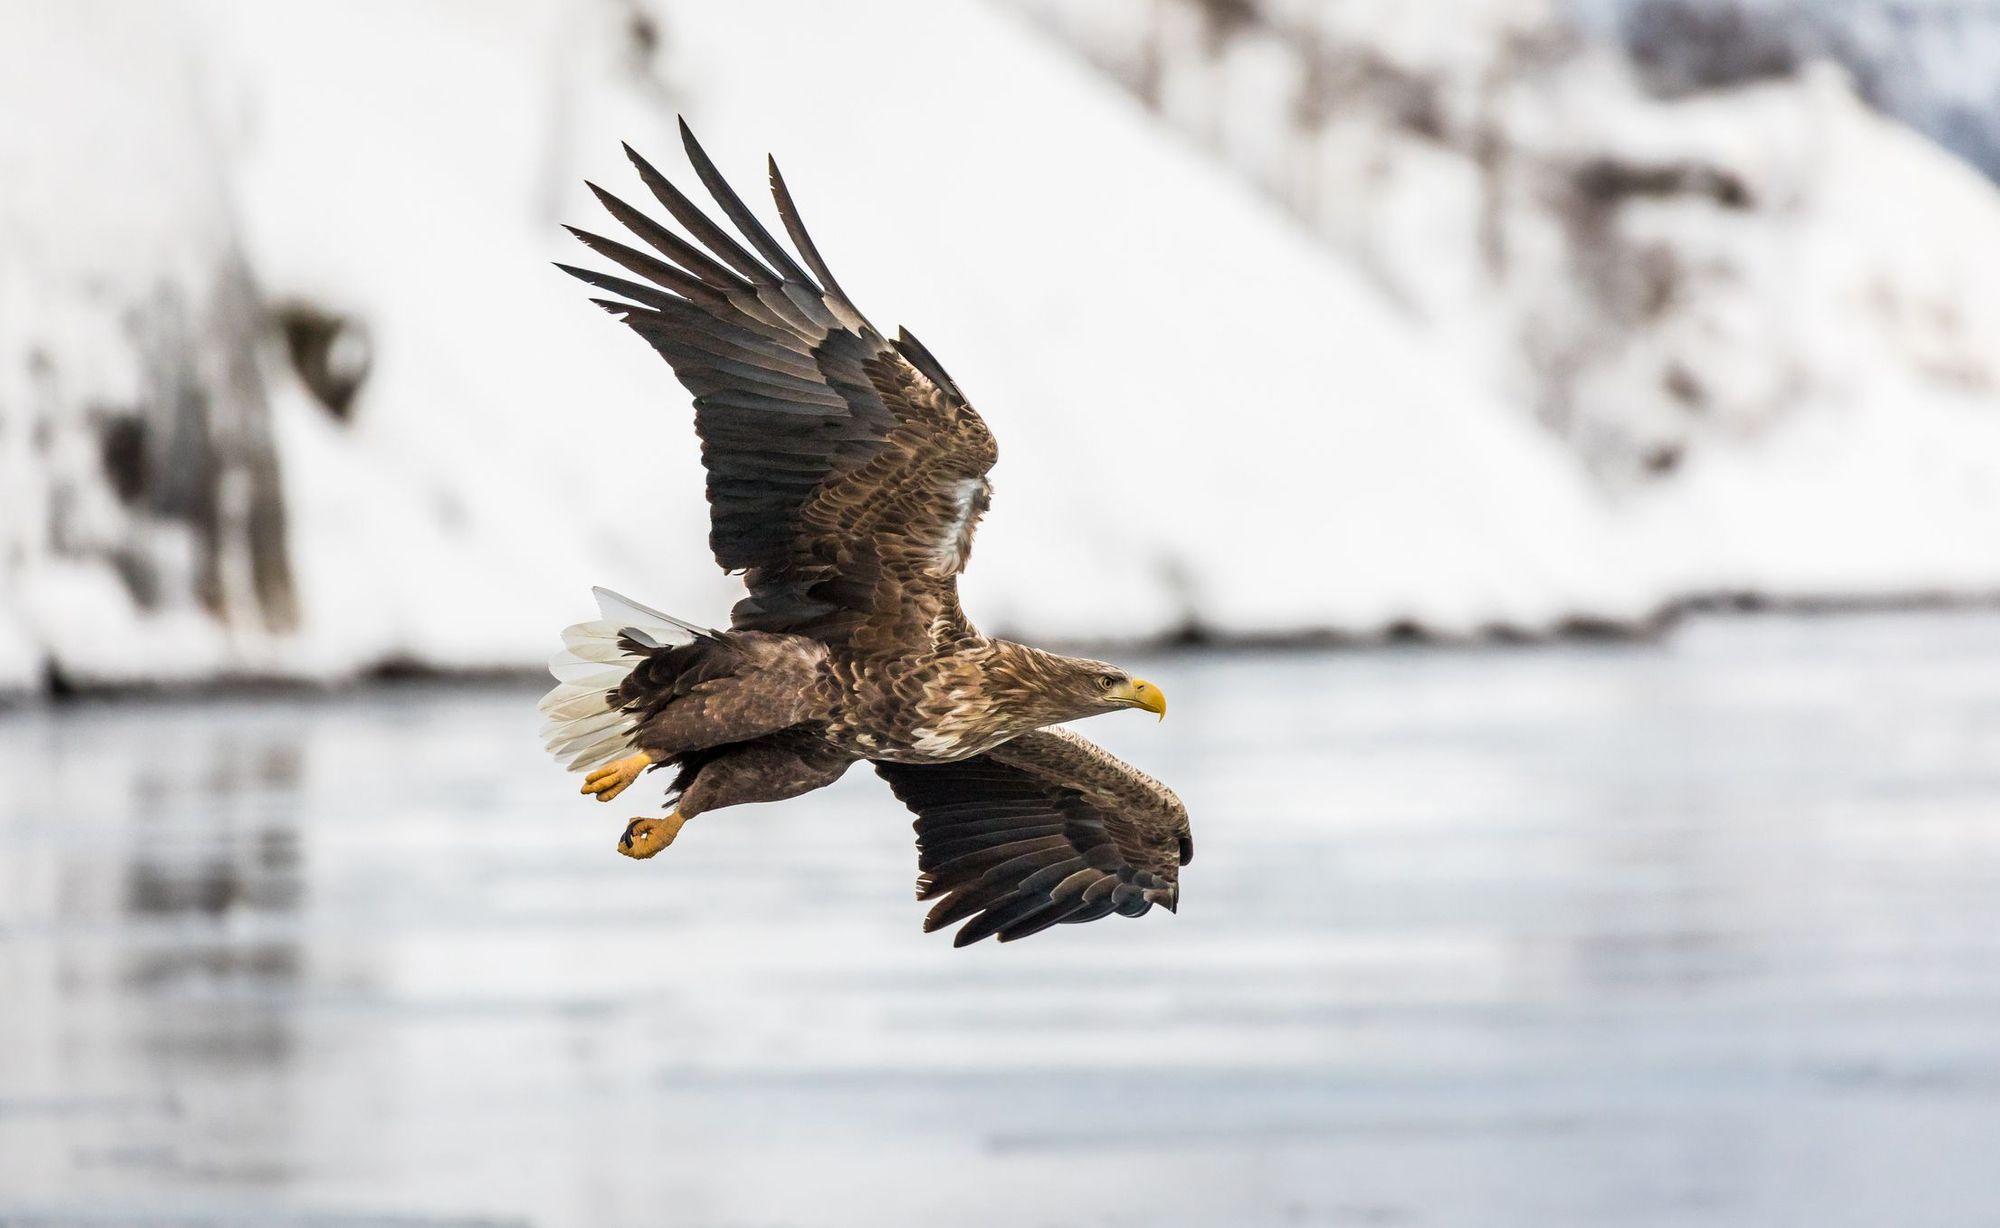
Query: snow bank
x,y
1763,317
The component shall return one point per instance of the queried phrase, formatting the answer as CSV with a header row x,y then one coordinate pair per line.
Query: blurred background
x,y
1569,532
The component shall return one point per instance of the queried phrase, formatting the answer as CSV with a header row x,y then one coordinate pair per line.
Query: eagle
x,y
846,473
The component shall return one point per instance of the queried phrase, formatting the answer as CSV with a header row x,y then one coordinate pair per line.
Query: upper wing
x,y
1047,828
845,472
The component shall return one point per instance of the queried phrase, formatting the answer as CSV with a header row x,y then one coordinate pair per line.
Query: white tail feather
x,y
628,613
599,674
604,652
589,724
580,723
583,633
580,707
599,753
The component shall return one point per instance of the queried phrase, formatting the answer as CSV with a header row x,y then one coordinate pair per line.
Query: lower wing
x,y
1048,828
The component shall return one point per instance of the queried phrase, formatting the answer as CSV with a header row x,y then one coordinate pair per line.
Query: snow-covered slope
x,y
1204,419
1765,318
142,530
288,387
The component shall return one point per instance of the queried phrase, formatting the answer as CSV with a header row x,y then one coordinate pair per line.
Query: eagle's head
x,y
1084,687
1027,688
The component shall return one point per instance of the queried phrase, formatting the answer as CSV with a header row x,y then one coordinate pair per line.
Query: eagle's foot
x,y
645,837
613,778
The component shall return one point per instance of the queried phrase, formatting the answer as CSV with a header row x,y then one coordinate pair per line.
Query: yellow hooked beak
x,y
1142,694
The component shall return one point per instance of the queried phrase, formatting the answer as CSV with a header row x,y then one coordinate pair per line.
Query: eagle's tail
x,y
581,724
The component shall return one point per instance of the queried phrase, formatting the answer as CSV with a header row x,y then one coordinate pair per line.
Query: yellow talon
x,y
614,777
645,837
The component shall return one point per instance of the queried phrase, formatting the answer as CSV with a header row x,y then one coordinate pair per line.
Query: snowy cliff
x,y
1252,440
1762,316
287,387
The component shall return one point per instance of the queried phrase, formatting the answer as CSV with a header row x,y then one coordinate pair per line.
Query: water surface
x,y
1699,933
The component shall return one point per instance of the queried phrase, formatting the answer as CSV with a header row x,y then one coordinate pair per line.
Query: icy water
x,y
1700,933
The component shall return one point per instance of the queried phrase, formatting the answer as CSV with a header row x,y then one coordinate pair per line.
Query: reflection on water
x,y
1696,934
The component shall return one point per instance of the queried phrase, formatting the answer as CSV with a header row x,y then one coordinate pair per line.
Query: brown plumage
x,y
846,476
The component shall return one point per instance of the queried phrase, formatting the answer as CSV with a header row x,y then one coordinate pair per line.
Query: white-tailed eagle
x,y
846,474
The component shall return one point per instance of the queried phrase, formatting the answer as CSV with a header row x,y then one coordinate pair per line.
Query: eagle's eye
x,y
1106,681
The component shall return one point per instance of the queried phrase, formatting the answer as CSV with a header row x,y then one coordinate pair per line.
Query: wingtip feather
x,y
739,213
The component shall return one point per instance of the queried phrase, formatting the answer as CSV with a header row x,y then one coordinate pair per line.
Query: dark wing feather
x,y
846,472
1048,828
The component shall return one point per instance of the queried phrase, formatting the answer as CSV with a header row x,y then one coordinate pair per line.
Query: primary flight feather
x,y
846,475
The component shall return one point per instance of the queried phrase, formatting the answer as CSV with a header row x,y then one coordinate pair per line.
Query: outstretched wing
x,y
1047,828
845,471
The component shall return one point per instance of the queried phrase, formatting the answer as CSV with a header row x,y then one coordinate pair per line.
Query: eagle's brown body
x,y
846,475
